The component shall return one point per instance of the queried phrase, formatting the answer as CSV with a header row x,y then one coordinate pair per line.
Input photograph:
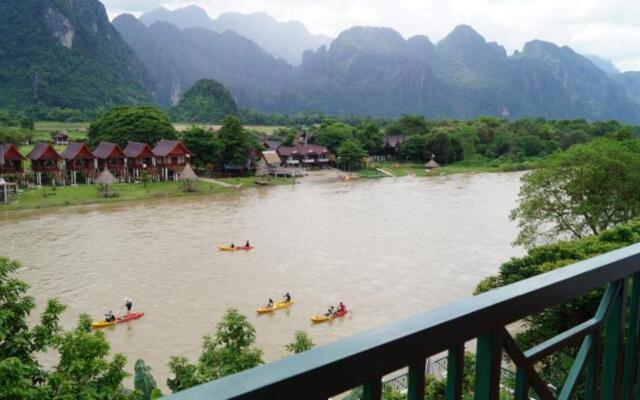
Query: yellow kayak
x,y
323,318
226,247
276,306
101,324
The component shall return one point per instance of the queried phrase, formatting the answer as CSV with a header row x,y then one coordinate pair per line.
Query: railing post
x,y
591,371
630,357
612,344
522,385
372,390
455,372
488,357
415,389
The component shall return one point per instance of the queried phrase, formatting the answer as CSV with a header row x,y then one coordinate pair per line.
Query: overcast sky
x,y
608,28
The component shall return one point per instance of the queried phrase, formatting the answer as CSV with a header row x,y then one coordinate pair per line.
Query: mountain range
x,y
286,40
65,53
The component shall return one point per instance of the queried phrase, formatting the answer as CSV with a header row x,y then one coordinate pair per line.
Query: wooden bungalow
x,y
45,161
79,160
305,155
110,156
140,157
11,161
391,146
171,158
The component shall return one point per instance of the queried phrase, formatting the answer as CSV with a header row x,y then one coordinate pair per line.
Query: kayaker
x,y
109,317
247,245
233,246
330,311
270,303
341,307
287,298
128,303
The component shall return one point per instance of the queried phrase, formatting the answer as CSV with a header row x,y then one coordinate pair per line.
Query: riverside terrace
x,y
606,362
164,162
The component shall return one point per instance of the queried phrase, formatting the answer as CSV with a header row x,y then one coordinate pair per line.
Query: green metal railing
x,y
364,359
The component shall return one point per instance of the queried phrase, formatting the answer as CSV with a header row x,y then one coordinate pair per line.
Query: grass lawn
x,y
463,167
87,194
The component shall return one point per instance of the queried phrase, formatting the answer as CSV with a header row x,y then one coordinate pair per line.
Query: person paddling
x,y
287,298
270,303
330,311
129,304
247,245
109,317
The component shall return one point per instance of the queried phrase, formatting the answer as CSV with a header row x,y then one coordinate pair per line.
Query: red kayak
x,y
119,320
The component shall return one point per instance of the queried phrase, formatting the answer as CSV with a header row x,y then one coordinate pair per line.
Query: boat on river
x,y
118,320
226,247
324,318
276,306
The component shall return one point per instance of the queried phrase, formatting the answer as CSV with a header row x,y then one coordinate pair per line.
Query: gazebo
x,y
431,164
105,179
188,177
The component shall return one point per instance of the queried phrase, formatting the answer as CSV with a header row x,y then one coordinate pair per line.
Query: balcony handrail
x,y
334,368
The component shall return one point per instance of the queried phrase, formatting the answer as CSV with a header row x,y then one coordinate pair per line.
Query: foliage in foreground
x,y
231,350
301,343
583,191
550,322
83,370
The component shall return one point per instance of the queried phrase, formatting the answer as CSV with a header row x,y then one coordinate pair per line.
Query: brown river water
x,y
389,248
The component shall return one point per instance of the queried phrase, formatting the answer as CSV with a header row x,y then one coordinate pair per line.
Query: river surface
x,y
389,248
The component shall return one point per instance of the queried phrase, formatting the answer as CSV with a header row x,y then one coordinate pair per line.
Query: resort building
x,y
110,156
79,161
140,157
45,161
391,146
305,155
11,161
171,158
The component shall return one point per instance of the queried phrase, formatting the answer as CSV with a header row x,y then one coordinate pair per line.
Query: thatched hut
x,y
188,177
431,164
105,179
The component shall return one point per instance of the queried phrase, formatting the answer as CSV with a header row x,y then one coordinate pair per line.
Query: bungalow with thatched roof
x,y
11,161
78,159
171,158
391,146
110,156
45,161
140,157
305,155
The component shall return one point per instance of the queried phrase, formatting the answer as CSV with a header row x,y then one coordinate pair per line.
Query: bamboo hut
x,y
11,161
140,157
110,156
45,160
78,159
188,177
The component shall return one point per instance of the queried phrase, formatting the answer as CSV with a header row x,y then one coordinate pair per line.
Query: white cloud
x,y
609,29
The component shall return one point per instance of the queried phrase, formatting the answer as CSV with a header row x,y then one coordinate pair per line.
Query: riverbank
x,y
62,196
463,167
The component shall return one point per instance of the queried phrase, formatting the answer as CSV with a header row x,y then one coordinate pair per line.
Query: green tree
x,y
409,125
144,383
139,124
84,372
231,350
350,154
301,343
370,137
413,148
333,133
207,101
286,135
444,146
235,142
204,143
585,190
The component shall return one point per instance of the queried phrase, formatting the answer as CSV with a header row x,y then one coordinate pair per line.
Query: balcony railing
x,y
364,359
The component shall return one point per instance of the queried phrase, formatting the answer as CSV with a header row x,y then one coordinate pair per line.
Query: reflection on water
x,y
388,248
